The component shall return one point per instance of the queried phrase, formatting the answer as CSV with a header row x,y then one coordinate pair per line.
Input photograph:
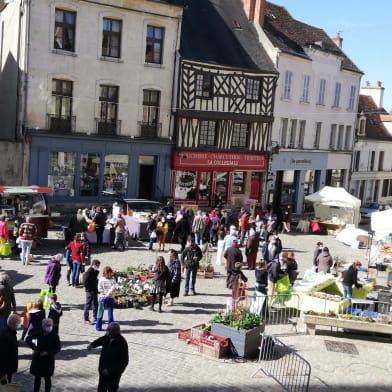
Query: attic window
x,y
237,25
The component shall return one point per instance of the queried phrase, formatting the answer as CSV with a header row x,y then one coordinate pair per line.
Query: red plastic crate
x,y
216,347
221,340
186,336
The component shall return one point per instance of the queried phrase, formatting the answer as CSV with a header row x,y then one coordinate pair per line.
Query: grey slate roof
x,y
293,36
207,37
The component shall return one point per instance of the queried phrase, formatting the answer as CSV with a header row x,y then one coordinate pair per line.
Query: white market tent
x,y
332,202
381,223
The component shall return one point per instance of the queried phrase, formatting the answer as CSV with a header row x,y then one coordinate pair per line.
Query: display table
x,y
92,237
325,226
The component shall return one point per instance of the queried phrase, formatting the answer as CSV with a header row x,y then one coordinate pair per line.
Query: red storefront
x,y
196,175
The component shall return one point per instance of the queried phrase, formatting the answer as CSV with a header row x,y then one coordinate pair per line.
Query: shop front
x,y
198,176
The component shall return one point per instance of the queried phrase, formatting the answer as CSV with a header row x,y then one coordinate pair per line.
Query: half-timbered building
x,y
224,110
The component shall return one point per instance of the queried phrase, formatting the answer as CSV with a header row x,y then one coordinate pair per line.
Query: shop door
x,y
255,186
146,179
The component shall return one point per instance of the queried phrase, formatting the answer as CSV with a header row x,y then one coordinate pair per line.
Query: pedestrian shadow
x,y
17,277
143,323
152,331
202,305
192,311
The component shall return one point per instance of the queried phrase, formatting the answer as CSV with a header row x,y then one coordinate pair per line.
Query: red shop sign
x,y
204,160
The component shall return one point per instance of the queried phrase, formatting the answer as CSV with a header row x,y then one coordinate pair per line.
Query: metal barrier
x,y
283,364
281,309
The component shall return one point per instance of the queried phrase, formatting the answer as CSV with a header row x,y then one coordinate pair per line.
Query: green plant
x,y
241,318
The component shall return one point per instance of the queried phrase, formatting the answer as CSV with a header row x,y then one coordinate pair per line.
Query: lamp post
x,y
274,148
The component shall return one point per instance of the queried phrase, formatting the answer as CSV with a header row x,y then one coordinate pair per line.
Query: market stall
x,y
336,207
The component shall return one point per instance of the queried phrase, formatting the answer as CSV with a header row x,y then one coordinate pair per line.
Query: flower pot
x,y
245,342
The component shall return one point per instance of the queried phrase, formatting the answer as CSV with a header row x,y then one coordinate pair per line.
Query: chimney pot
x,y
379,84
367,83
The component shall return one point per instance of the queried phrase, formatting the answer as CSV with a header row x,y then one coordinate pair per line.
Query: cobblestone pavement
x,y
159,362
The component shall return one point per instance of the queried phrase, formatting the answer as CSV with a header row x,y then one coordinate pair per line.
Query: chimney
x,y
255,10
376,92
338,40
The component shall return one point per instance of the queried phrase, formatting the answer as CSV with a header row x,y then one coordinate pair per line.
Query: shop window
x,y
111,38
288,187
61,173
335,178
116,174
204,83
185,187
221,183
239,182
309,182
240,135
207,133
204,185
64,30
89,174
154,44
253,90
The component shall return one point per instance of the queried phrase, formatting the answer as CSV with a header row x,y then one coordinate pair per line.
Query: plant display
x,y
240,318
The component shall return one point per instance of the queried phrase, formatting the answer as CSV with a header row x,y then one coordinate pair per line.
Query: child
x,y
36,315
25,316
237,278
55,312
261,275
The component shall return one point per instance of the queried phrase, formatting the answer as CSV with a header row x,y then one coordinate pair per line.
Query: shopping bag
x,y
6,249
9,387
44,296
282,285
153,235
91,227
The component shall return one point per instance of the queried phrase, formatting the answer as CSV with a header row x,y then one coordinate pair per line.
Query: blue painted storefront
x,y
43,143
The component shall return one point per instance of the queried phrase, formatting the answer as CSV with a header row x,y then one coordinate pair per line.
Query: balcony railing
x,y
150,130
61,124
108,127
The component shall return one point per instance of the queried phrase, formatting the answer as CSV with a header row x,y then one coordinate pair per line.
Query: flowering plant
x,y
240,318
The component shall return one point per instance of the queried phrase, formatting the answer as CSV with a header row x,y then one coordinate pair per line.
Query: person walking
x,y
45,346
190,264
182,231
53,272
261,277
229,238
86,250
160,279
9,349
271,249
292,267
174,280
286,219
27,232
152,231
119,229
198,227
34,321
316,252
275,272
350,279
113,360
77,224
99,219
3,231
252,247
7,300
324,261
232,255
106,286
162,229
55,312
91,288
76,247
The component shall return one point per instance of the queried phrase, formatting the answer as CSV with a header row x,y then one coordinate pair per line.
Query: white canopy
x,y
381,223
332,202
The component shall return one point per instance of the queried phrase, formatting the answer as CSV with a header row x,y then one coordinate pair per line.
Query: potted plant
x,y
242,327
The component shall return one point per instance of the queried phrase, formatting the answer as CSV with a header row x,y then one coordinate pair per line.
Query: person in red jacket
x,y
77,257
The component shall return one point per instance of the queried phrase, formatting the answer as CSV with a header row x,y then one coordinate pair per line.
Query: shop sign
x,y
219,161
301,161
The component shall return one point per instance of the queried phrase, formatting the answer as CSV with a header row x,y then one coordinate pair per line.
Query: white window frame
x,y
352,98
336,99
287,85
305,89
321,93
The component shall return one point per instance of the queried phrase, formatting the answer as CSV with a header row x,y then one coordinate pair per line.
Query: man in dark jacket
x,y
91,287
9,349
190,263
232,255
182,231
113,360
275,273
100,219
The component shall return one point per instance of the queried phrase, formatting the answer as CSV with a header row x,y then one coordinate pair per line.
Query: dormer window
x,y
362,125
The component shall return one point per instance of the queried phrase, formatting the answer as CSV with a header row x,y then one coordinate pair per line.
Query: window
x,y
287,85
116,174
239,182
332,137
340,137
381,161
207,133
284,122
64,30
151,102
317,135
321,93
89,174
154,45
351,101
293,133
362,126
204,85
288,187
357,158
185,187
347,141
372,158
253,89
385,187
111,38
301,136
61,105
61,173
336,100
107,122
240,135
309,182
305,89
